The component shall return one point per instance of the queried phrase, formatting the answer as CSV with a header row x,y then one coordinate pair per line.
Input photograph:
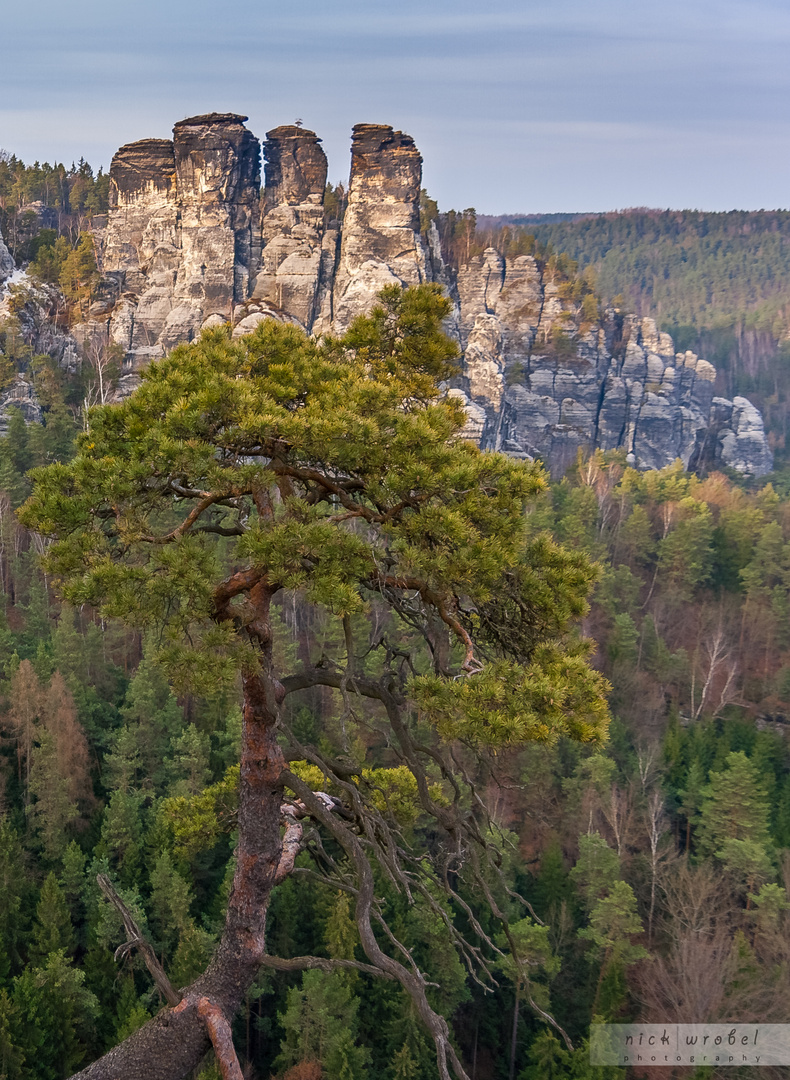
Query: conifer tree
x,y
243,470
12,1057
25,703
60,772
52,929
12,891
56,1013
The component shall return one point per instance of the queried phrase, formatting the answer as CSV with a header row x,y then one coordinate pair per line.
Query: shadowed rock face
x,y
185,247
381,243
6,262
295,258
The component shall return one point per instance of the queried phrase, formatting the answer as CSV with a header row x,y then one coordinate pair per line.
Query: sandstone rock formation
x,y
22,396
295,257
381,243
551,384
182,241
184,247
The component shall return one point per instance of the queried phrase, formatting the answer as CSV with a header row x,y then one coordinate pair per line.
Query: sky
x,y
516,106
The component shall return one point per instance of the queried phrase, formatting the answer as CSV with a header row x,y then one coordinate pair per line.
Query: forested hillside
x,y
637,870
719,283
646,895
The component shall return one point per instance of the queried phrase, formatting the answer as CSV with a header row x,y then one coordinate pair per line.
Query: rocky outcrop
x,y
381,243
20,395
7,265
295,258
182,242
184,247
551,384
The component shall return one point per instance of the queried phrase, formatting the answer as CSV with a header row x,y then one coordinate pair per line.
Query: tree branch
x,y
221,1039
292,845
304,963
136,940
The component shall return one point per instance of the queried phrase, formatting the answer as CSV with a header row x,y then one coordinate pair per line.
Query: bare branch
x,y
323,963
136,940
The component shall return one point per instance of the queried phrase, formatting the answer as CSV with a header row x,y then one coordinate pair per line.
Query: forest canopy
x,y
244,472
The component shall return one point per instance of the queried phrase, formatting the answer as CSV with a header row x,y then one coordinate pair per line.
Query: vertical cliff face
x,y
182,234
187,246
541,381
381,242
295,258
218,184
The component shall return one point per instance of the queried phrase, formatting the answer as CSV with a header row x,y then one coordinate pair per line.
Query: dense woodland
x,y
662,853
657,865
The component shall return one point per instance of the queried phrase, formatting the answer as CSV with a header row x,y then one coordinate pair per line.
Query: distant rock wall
x,y
188,245
7,265
617,383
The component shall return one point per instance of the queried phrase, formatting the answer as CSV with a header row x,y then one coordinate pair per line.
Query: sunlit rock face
x,y
182,235
381,243
188,245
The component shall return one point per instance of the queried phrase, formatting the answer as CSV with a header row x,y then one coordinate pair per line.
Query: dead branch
x,y
137,941
323,963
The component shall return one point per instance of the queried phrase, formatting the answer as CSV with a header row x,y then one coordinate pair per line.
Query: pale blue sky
x,y
516,106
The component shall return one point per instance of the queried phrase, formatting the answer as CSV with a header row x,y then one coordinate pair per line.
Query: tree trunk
x,y
171,1045
514,1034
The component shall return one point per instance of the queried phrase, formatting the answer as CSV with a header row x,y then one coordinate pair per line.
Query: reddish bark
x,y
171,1045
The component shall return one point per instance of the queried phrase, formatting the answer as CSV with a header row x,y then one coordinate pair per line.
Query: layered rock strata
x,y
184,248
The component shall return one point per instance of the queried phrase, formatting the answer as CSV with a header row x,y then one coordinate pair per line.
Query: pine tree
x,y
320,1025
25,704
12,1057
243,469
56,1017
734,807
12,891
190,768
169,905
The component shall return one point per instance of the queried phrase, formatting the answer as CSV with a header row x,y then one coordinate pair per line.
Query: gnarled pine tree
x,y
240,470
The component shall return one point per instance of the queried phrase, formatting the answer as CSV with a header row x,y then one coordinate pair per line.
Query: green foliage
x,y
734,806
56,1013
613,921
52,930
197,822
320,1024
596,869
79,276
